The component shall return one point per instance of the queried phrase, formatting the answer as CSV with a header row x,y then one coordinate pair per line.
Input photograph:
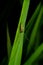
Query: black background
x,y
10,13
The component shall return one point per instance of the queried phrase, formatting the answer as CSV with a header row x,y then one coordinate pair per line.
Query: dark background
x,y
10,13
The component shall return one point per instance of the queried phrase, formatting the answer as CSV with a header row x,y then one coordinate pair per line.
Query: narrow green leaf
x,y
37,40
32,20
29,27
8,43
35,55
16,52
34,32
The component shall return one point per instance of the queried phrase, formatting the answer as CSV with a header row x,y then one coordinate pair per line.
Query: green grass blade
x,y
35,55
29,28
37,43
31,22
34,16
18,42
8,43
34,32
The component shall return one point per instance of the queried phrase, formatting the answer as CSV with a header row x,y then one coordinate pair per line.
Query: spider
x,y
21,28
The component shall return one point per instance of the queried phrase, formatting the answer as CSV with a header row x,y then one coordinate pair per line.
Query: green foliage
x,y
31,32
8,43
16,52
34,32
35,55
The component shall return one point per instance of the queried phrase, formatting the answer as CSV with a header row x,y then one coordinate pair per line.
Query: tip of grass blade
x,y
34,16
8,43
18,43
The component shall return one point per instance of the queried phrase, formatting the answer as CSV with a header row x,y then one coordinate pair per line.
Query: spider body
x,y
21,28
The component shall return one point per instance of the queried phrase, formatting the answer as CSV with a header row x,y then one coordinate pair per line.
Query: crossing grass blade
x,y
37,43
33,18
34,32
28,29
8,43
31,22
35,55
16,53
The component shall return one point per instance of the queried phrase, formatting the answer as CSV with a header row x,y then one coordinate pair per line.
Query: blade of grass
x,y
29,27
34,32
34,16
18,42
37,43
31,22
8,43
35,55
